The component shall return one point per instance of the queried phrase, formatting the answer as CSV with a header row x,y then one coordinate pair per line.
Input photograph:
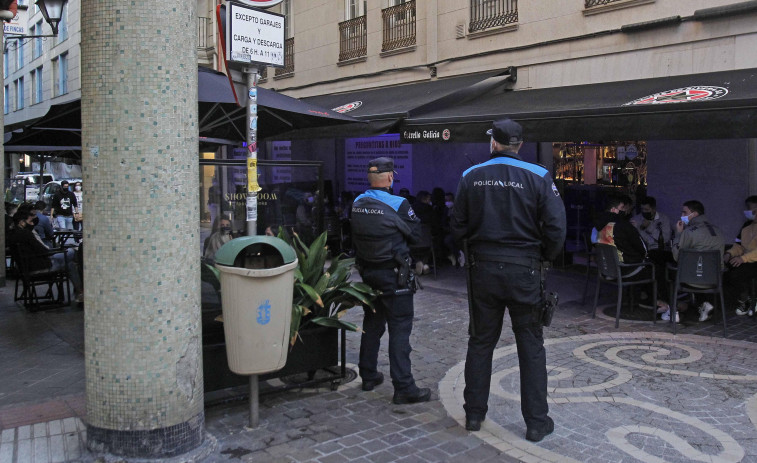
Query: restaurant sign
x,y
425,135
682,95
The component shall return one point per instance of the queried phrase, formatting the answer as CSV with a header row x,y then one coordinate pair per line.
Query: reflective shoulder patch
x,y
554,189
411,213
390,200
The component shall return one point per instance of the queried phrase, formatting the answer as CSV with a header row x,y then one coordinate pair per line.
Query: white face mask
x,y
449,204
491,145
685,219
749,215
77,188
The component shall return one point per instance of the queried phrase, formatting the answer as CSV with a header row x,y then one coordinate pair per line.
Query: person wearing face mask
x,y
615,229
384,226
37,254
78,217
656,231
654,226
63,207
694,231
741,263
220,236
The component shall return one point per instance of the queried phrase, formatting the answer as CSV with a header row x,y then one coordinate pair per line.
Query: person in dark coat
x,y
383,228
511,214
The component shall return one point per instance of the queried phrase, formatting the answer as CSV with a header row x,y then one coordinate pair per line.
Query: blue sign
x,y
264,312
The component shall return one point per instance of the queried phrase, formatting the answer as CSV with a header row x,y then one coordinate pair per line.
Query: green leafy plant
x,y
323,295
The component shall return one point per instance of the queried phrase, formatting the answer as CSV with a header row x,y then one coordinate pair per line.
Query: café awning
x,y
391,103
57,131
222,118
382,109
695,106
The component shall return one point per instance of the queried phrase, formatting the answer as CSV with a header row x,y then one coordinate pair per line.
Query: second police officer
x,y
383,225
513,219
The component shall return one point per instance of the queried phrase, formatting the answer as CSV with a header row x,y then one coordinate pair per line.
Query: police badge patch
x,y
411,213
554,189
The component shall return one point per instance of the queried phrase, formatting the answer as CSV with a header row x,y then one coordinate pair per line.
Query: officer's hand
x,y
736,261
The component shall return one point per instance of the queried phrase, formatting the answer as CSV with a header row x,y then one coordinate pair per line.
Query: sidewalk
x,y
635,394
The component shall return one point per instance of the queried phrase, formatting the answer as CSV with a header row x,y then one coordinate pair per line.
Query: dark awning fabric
x,y
221,117
388,103
58,130
627,110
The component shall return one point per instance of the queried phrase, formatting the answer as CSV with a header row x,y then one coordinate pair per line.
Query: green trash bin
x,y
257,280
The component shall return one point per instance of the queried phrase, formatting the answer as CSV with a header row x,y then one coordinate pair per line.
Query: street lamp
x,y
52,11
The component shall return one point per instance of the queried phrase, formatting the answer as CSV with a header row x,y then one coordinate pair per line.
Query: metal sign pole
x,y
252,199
252,150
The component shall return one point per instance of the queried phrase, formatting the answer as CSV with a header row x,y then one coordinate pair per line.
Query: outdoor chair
x,y
610,270
54,283
698,272
588,255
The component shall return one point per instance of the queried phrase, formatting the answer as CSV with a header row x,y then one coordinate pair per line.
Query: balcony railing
x,y
485,14
203,32
288,58
591,3
353,40
399,26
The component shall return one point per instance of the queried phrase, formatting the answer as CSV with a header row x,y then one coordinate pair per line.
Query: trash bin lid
x,y
229,251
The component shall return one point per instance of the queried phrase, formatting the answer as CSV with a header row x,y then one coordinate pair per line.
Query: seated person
x,y
655,229
37,254
44,228
220,236
614,229
695,232
741,263
654,226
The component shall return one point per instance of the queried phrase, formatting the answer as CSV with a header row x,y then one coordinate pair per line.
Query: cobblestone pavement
x,y
635,394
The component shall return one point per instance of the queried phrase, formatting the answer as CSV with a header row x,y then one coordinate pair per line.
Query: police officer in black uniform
x,y
513,219
382,227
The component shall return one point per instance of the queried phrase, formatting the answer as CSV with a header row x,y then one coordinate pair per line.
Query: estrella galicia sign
x,y
264,312
682,95
345,108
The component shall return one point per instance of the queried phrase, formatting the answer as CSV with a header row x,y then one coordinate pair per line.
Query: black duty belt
x,y
387,264
525,261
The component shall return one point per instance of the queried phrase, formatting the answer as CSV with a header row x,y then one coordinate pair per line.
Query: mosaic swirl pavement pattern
x,y
627,397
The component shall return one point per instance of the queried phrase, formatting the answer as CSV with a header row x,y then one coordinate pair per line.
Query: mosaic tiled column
x,y
141,253
2,156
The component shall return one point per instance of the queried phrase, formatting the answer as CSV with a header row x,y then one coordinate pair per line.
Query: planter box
x,y
318,349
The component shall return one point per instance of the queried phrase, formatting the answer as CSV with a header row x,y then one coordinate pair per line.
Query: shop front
x,y
675,138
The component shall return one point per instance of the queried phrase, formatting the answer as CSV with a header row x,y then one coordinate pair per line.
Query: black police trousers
x,y
396,312
497,286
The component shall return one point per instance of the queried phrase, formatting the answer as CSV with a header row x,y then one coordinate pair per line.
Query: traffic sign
x,y
254,36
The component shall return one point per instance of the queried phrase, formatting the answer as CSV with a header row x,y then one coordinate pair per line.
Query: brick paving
x,y
635,394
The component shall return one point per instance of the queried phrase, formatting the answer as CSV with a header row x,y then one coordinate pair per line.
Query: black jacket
x,y
35,253
617,230
509,207
383,225
64,203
